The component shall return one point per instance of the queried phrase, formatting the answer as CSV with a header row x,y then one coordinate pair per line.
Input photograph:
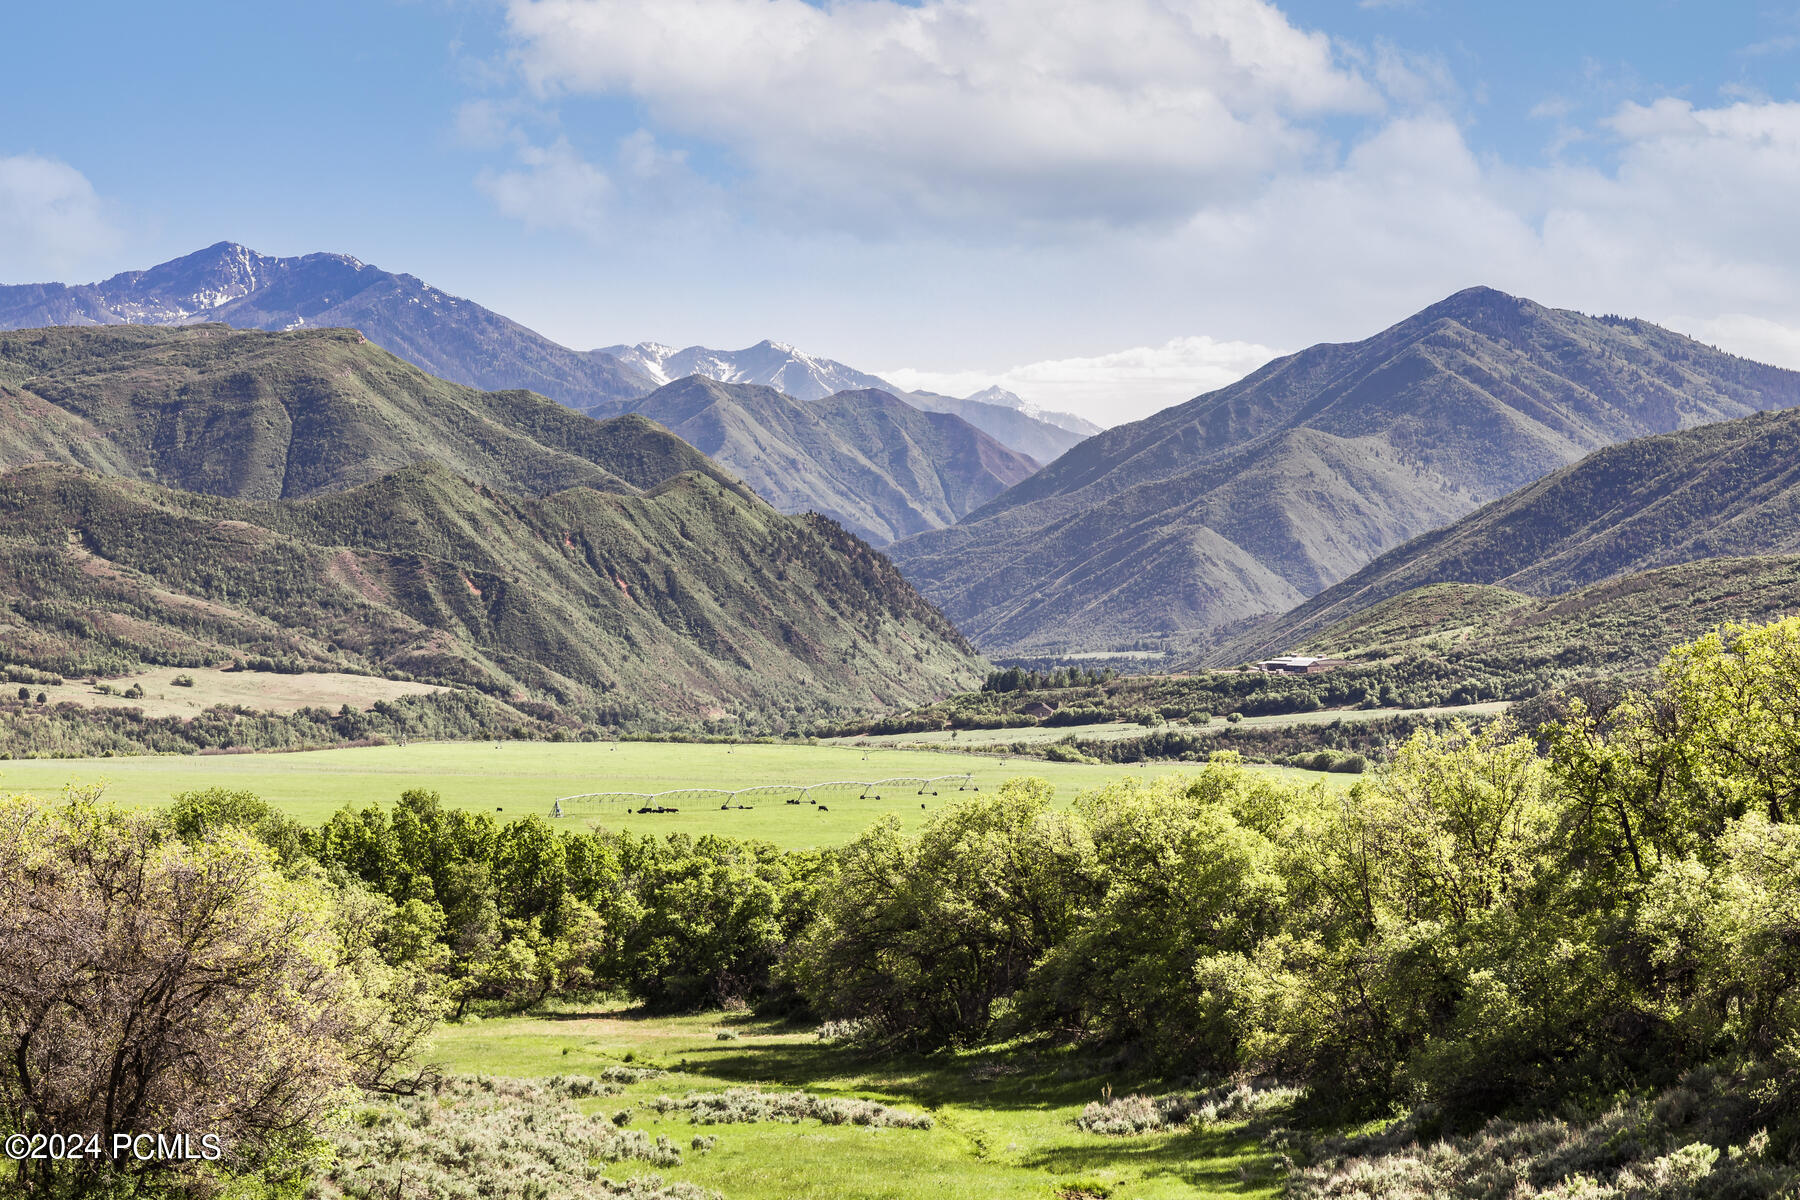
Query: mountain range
x,y
1246,501
1622,625
1717,491
457,339
187,496
878,466
1000,414
446,335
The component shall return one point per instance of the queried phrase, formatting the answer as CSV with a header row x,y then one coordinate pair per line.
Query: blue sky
x,y
1107,207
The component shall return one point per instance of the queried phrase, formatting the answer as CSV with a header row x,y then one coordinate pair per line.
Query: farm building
x,y
1296,664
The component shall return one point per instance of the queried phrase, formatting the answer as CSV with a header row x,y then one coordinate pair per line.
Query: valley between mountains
x,y
1031,759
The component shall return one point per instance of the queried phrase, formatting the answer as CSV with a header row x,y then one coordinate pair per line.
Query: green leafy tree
x,y
927,938
151,983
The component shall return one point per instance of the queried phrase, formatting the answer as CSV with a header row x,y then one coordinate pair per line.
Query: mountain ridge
x,y
1727,489
806,377
445,335
865,458
1244,501
259,415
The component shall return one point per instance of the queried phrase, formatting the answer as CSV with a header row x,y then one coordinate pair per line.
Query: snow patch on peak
x,y
1005,399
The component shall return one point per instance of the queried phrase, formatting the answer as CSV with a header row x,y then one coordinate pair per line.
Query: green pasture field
x,y
1112,731
1003,1119
515,778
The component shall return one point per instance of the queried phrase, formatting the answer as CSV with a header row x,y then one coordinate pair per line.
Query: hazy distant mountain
x,y
1716,491
1027,434
881,468
998,413
1247,500
771,364
1005,399
450,337
459,340
358,513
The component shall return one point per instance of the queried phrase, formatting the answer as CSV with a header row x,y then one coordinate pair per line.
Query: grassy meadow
x,y
516,778
1003,1119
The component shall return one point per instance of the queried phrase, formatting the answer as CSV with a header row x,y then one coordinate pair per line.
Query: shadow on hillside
x,y
1021,1080
1206,1159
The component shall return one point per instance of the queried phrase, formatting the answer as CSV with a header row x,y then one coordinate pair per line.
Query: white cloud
x,y
50,217
958,111
486,124
551,187
1688,227
1109,388
1751,337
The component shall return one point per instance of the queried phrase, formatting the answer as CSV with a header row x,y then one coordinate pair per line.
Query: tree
x,y
925,938
151,984
1188,871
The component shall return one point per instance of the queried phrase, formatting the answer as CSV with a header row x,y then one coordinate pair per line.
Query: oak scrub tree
x,y
154,985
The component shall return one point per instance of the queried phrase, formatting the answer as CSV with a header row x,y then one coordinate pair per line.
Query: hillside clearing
x,y
260,691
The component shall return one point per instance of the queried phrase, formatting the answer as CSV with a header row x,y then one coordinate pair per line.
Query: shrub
x,y
183,681
1143,1114
504,1138
744,1106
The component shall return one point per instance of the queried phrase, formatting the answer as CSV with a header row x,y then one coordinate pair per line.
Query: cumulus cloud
x,y
551,187
1107,389
957,111
50,217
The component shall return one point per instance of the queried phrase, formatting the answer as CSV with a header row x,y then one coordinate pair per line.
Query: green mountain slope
x,y
878,466
1621,625
1730,488
267,416
1245,501
689,600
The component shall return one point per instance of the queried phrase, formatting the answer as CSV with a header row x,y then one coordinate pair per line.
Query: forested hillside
x,y
272,415
688,601
1248,500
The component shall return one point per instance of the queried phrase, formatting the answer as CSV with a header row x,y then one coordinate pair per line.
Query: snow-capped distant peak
x,y
768,363
1005,399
